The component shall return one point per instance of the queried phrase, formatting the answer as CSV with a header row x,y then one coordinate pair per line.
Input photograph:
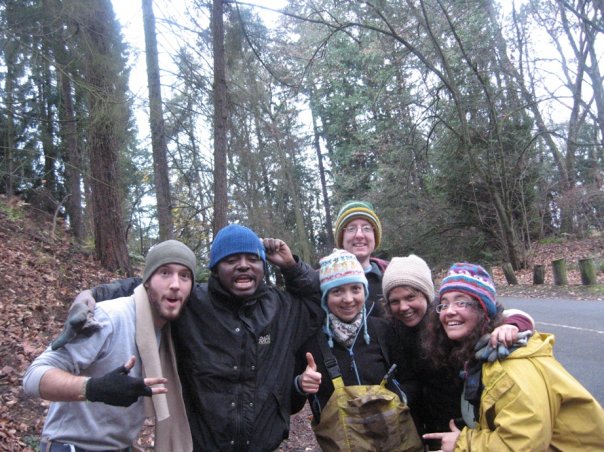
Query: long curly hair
x,y
443,353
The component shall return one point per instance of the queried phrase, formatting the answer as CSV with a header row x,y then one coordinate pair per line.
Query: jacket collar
x,y
224,297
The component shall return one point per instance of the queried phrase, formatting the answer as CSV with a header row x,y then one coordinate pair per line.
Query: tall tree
x,y
156,119
220,117
105,78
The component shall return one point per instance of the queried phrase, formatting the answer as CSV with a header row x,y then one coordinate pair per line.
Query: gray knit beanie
x,y
409,271
169,252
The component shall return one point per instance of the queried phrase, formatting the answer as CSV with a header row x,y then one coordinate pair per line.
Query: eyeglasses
x,y
366,229
459,304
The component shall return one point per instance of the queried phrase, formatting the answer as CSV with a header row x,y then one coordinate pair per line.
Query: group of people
x,y
222,365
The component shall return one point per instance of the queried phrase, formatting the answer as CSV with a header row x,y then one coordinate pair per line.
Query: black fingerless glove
x,y
116,388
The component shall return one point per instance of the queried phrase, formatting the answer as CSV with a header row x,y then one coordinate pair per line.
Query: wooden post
x,y
508,271
588,271
559,269
538,274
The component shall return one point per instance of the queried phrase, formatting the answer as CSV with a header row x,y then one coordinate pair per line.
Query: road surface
x,y
579,330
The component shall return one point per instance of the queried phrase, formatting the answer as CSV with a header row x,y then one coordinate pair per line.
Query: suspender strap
x,y
330,361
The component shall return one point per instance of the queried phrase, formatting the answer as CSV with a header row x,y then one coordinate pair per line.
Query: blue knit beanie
x,y
235,239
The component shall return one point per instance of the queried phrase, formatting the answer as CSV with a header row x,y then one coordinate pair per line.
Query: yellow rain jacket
x,y
531,403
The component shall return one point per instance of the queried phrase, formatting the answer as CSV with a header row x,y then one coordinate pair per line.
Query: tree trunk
x,y
508,271
559,270
9,178
220,118
328,221
538,274
107,129
156,120
69,132
588,272
46,108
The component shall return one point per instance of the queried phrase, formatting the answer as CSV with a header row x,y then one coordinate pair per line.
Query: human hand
x,y
278,253
118,389
310,379
505,334
486,352
80,320
447,439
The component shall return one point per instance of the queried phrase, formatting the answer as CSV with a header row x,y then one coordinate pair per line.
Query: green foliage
x,y
552,240
428,110
33,442
12,213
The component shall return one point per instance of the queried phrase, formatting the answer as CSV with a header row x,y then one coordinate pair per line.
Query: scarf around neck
x,y
345,333
171,427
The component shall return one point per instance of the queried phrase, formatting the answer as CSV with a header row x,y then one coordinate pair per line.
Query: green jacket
x,y
531,403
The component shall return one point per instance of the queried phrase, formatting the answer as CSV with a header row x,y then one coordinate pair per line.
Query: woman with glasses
x,y
409,293
527,401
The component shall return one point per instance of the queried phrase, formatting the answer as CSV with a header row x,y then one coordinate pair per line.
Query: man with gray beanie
x,y
134,330
236,341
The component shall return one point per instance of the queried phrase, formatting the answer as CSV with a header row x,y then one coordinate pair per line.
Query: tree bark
x,y
508,271
328,221
220,118
156,120
69,132
107,129
9,178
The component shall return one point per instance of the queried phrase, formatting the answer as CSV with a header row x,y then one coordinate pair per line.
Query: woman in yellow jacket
x,y
527,402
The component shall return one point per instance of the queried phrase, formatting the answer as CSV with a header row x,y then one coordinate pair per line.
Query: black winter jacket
x,y
236,359
362,364
439,395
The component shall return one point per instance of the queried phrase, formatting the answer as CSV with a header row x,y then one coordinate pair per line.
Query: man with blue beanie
x,y
236,341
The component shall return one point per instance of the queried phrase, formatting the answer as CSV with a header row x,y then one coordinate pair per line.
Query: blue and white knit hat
x,y
235,239
473,280
337,269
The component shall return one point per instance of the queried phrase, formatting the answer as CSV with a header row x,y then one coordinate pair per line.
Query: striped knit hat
x,y
473,280
353,210
337,269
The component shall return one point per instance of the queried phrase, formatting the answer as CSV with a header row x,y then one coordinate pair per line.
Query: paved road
x,y
579,330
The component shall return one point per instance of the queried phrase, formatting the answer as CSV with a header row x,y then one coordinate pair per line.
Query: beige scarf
x,y
171,427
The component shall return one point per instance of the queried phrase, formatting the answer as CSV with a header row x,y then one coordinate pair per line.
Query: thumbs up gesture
x,y
310,379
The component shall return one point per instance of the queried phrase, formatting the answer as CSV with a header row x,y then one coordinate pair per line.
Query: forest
x,y
474,127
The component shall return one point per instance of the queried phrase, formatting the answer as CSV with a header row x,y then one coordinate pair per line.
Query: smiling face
x,y
168,290
461,316
357,242
240,274
408,305
346,301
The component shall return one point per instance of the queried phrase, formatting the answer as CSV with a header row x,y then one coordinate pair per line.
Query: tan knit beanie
x,y
409,271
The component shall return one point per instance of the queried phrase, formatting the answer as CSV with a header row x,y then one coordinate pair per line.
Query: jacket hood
x,y
381,263
539,345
